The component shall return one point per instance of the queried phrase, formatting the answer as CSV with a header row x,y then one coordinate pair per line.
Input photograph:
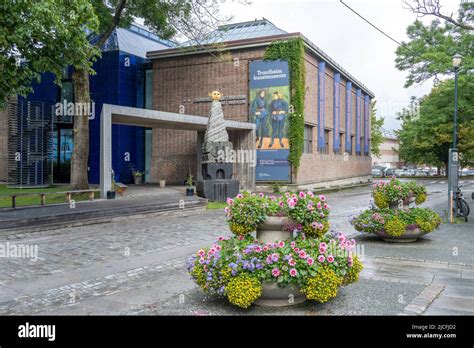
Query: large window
x,y
308,139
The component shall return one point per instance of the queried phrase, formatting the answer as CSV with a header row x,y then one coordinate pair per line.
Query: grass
x,y
216,205
51,196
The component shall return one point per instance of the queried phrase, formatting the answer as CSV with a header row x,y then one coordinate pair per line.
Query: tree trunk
x,y
80,155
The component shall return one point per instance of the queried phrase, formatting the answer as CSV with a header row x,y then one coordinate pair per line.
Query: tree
x,y
433,8
429,51
426,135
172,18
42,36
376,135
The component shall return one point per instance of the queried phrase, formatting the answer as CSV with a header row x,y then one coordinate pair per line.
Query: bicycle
x,y
463,209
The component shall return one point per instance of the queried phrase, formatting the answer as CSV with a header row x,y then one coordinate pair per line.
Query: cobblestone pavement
x,y
137,267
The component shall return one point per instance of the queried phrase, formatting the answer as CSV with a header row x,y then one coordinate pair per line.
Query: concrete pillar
x,y
105,150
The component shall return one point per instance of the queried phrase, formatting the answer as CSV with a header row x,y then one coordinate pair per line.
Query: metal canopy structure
x,y
116,114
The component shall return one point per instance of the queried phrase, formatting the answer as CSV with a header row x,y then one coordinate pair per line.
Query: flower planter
x,y
272,231
162,183
412,234
138,179
189,191
407,203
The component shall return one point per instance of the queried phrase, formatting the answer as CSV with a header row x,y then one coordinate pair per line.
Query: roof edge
x,y
257,42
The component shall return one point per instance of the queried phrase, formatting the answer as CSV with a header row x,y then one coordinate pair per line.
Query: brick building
x,y
183,77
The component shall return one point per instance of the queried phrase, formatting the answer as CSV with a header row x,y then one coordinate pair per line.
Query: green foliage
x,y
394,227
394,222
48,36
323,286
293,51
430,48
243,290
248,210
426,135
276,187
376,135
352,275
385,193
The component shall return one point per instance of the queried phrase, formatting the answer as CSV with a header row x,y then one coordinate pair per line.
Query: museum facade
x,y
336,146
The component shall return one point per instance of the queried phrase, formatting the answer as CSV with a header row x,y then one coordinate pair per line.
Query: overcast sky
x,y
341,34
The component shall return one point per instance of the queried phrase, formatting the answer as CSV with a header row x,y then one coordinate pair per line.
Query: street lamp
x,y
453,153
457,58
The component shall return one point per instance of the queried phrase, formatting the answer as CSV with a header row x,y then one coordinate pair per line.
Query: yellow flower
x,y
323,286
243,290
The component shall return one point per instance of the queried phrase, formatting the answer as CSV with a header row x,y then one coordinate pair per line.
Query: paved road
x,y
137,267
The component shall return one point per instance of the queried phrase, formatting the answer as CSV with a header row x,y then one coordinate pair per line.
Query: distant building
x,y
388,152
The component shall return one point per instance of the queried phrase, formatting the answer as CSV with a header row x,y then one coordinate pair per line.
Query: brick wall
x,y
179,80
176,83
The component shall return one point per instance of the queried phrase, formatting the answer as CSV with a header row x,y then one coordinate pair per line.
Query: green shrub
x,y
352,275
395,227
323,286
243,290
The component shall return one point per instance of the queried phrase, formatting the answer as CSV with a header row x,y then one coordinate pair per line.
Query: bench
x,y
42,195
121,188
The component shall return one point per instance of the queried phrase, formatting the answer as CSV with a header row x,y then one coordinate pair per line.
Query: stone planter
x,y
407,203
412,234
162,183
138,179
272,294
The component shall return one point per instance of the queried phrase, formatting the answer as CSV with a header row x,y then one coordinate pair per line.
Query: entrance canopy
x,y
116,114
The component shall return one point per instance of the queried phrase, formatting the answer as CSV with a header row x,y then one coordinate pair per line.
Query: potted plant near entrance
x,y
292,258
162,182
189,188
111,193
138,177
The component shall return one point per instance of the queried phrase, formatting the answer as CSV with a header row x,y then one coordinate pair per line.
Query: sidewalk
x,y
137,200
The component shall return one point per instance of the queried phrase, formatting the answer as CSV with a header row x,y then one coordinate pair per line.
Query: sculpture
x,y
217,173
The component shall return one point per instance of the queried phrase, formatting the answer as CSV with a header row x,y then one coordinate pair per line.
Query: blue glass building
x,y
123,77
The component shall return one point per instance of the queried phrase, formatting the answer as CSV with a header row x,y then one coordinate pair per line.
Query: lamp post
x,y
453,152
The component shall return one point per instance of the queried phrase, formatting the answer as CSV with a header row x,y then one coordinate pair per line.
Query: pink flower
x,y
280,204
292,262
226,209
287,194
319,205
218,248
302,194
302,254
201,252
326,206
230,201
330,258
281,244
258,249
321,258
310,261
293,272
275,272
314,224
322,198
265,248
241,237
221,238
310,194
296,249
310,207
323,245
292,244
261,194
240,196
322,250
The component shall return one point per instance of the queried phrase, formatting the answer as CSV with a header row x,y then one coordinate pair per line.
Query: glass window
x,y
308,139
149,89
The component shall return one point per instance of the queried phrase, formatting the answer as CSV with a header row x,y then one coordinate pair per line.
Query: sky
x,y
355,45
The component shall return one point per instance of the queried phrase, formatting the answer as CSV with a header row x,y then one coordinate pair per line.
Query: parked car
x,y
376,172
390,172
399,172
421,173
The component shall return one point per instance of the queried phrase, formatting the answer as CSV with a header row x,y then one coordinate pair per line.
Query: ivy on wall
x,y
293,51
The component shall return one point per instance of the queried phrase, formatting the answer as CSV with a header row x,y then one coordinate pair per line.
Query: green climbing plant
x,y
293,51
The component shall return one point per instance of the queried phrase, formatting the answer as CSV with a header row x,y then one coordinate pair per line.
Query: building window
x,y
327,136
308,139
353,143
342,143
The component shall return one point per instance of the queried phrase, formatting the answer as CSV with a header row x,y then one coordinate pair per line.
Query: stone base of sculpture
x,y
217,190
